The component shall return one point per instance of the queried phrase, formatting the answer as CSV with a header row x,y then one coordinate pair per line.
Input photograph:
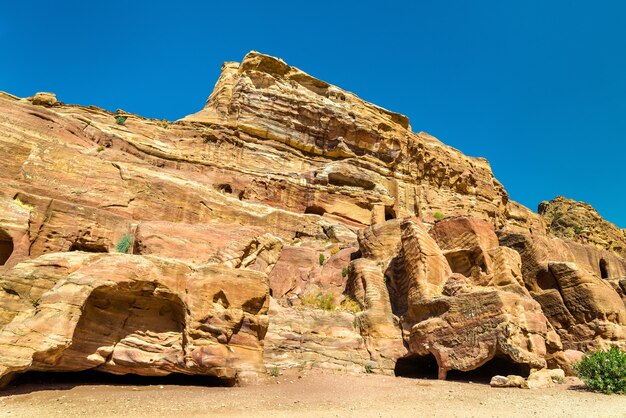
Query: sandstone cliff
x,y
580,222
283,195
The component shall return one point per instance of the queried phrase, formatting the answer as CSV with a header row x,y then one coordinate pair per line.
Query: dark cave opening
x,y
500,365
315,210
417,367
389,213
89,247
34,381
6,247
425,367
225,188
604,269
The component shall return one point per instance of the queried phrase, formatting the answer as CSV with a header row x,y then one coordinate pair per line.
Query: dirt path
x,y
313,395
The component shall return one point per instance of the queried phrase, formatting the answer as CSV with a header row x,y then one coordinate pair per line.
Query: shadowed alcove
x,y
604,269
425,367
129,328
6,247
37,381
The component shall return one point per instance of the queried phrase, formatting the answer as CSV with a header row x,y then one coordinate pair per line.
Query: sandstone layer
x,y
245,223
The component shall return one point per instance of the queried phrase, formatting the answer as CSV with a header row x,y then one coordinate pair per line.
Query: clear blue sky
x,y
536,87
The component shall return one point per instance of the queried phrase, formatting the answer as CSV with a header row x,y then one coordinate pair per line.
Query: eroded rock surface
x,y
130,314
289,188
580,222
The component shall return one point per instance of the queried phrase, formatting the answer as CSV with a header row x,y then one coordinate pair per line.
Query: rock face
x,y
580,222
283,189
462,321
127,314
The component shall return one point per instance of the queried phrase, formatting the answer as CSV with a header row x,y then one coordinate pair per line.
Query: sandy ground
x,y
314,394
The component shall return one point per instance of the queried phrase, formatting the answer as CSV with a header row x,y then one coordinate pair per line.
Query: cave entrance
x,y
34,381
315,210
88,247
136,327
225,188
499,365
425,367
604,269
389,213
417,367
6,247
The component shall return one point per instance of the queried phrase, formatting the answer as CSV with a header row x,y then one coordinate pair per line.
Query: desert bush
x,y
439,216
274,371
334,250
344,272
350,305
120,120
604,371
319,300
123,246
322,259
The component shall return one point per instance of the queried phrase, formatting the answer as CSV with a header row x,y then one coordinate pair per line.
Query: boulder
x,y
544,378
121,314
510,381
44,99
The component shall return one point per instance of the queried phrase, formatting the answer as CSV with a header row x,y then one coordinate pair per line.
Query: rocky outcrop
x,y
288,189
580,222
457,319
132,314
584,309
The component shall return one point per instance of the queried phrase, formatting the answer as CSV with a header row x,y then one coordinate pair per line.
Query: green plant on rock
x,y
319,300
604,371
120,120
439,216
350,305
322,259
578,229
344,272
368,368
123,246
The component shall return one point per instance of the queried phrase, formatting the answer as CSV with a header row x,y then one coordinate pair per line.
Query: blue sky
x,y
536,87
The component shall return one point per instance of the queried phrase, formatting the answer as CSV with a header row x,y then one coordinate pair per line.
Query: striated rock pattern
x,y
459,320
121,313
580,222
281,189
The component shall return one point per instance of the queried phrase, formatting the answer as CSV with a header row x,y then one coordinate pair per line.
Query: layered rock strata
x,y
127,314
289,189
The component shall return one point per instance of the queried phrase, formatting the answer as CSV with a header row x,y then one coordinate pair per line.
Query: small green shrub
x,y
120,120
604,371
123,246
350,305
322,259
578,229
319,300
344,272
274,371
100,148
439,216
334,250
368,368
